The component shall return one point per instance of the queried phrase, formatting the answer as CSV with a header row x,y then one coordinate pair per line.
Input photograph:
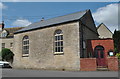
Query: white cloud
x,y
2,6
21,22
107,15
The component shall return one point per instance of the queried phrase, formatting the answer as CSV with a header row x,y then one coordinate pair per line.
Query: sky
x,y
19,14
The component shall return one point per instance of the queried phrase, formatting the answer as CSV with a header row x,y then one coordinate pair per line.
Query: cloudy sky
x,y
24,13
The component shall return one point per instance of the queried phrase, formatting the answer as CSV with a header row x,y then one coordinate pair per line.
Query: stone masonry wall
x,y
7,42
42,45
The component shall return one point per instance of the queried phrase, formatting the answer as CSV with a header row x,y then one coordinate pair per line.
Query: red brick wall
x,y
119,64
113,63
106,43
88,64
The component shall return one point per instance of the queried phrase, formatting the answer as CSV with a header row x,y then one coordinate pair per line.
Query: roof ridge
x,y
13,27
99,25
75,16
65,15
71,13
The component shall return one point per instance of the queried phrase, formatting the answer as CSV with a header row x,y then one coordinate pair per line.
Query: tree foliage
x,y
6,54
116,38
118,55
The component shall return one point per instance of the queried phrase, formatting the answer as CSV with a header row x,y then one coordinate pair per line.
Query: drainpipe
x,y
81,39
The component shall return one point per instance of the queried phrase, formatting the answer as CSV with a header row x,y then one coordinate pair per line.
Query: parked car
x,y
4,64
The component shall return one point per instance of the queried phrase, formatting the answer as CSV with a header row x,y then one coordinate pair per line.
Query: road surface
x,y
46,73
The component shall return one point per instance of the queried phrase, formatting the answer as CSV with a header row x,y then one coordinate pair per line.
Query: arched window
x,y
25,46
58,43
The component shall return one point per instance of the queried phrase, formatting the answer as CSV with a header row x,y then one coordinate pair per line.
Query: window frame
x,y
3,45
4,33
58,42
25,46
11,45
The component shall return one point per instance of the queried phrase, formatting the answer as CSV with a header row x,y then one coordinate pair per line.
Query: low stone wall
x,y
113,63
88,64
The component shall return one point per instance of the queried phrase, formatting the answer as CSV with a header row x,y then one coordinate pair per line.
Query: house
x,y
102,49
104,32
57,43
7,36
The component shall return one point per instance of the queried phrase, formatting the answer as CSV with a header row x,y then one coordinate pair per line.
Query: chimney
x,y
2,25
42,19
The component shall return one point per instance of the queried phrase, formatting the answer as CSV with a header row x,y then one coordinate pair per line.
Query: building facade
x,y
7,36
70,42
100,49
56,43
104,32
103,52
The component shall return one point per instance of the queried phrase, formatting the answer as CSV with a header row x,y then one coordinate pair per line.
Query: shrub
x,y
118,55
6,54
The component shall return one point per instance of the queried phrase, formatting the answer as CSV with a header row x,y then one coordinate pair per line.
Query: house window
x,y
3,45
4,33
25,46
84,45
11,44
58,44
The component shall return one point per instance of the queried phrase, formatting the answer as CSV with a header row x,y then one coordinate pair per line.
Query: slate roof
x,y
54,21
11,31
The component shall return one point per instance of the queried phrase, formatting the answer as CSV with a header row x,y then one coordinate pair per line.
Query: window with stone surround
x,y
3,45
11,44
58,42
25,46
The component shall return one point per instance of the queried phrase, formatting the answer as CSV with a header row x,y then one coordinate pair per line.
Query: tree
x,y
116,38
6,54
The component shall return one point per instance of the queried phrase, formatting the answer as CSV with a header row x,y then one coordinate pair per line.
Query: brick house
x,y
102,49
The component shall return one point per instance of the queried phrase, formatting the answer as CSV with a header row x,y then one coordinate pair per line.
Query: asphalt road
x,y
46,73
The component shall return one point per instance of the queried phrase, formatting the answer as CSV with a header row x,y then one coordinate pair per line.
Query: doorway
x,y
100,57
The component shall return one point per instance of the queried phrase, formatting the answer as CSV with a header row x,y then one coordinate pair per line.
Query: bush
x,y
6,54
118,55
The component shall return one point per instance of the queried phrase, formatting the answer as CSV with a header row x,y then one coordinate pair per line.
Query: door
x,y
99,54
